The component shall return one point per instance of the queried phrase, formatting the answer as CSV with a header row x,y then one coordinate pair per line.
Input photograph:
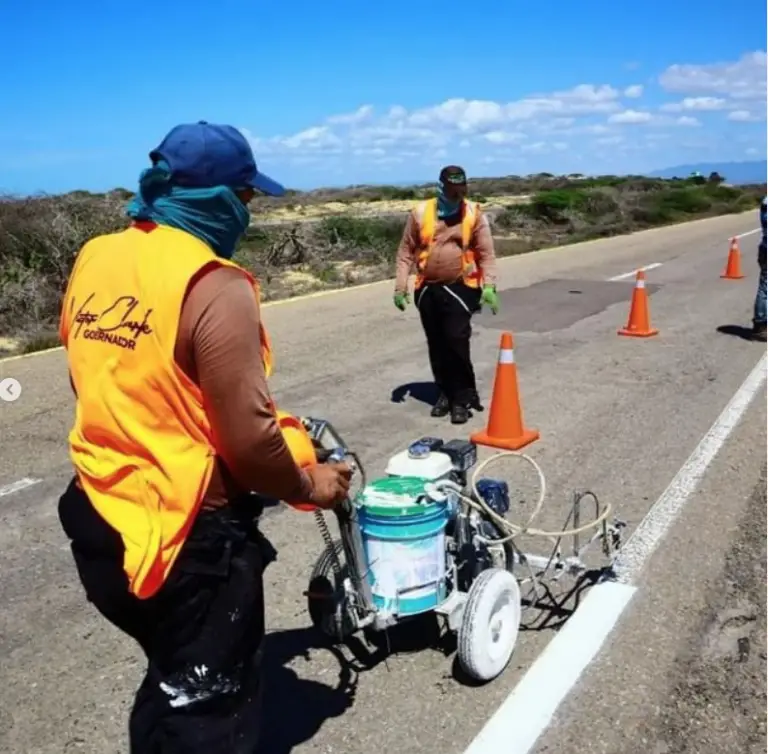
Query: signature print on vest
x,y
121,324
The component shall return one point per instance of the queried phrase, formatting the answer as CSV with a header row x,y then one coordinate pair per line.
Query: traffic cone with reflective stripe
x,y
505,428
639,323
733,265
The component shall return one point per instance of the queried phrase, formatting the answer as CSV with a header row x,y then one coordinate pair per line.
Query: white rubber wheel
x,y
491,622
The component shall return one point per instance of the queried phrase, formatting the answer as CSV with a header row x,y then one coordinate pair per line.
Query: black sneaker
x,y
759,332
459,414
441,408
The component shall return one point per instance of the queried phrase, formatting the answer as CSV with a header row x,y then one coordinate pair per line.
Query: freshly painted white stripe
x,y
506,356
527,711
645,538
626,275
748,233
22,484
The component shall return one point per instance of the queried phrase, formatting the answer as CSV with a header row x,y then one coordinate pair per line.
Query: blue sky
x,y
340,92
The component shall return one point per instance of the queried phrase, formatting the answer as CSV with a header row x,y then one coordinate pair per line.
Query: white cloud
x,y
697,104
503,137
742,79
631,116
317,137
359,116
534,132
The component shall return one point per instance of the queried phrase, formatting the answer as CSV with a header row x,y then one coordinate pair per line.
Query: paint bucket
x,y
403,536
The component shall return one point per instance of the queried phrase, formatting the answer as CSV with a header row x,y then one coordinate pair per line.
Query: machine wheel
x,y
489,628
325,599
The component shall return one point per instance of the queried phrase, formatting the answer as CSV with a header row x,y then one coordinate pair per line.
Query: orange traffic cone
x,y
733,265
639,323
505,420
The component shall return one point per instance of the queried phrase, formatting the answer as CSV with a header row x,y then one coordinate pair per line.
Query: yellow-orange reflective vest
x,y
141,443
426,216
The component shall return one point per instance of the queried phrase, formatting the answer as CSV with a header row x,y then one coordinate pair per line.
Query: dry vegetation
x,y
333,238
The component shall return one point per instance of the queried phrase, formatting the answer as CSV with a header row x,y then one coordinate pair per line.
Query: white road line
x,y
22,484
632,273
527,711
646,537
654,265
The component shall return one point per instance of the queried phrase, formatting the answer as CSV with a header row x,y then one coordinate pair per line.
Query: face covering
x,y
214,215
445,206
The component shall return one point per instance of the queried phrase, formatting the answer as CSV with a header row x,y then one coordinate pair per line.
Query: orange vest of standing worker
x,y
141,443
426,215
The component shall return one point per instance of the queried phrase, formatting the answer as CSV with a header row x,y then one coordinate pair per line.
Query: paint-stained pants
x,y
202,632
446,313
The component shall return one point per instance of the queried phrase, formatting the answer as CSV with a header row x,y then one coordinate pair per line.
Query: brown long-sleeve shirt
x,y
444,262
218,347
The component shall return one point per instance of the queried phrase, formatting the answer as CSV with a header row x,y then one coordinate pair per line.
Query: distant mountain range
x,y
736,173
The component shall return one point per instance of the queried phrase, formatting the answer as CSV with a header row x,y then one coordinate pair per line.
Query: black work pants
x,y
202,633
446,313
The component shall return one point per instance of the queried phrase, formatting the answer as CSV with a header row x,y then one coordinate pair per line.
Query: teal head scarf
x,y
445,206
214,215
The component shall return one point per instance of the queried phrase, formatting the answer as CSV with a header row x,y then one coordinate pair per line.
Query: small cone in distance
x,y
733,265
639,323
505,428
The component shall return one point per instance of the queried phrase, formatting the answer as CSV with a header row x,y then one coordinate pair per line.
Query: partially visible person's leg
x,y
430,305
461,303
759,316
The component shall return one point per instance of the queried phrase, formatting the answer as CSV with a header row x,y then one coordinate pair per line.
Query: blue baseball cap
x,y
203,155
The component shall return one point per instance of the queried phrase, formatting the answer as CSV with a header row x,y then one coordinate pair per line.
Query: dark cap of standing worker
x,y
453,174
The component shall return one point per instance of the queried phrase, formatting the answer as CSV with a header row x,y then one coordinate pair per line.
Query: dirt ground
x,y
718,684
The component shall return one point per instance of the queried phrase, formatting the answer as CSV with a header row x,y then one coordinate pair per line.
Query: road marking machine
x,y
430,535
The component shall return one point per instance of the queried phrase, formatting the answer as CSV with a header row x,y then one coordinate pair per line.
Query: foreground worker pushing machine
x,y
431,536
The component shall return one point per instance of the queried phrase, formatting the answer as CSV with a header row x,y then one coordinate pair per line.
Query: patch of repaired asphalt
x,y
718,683
556,304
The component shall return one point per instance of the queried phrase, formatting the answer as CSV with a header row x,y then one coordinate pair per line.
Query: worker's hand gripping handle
x,y
337,455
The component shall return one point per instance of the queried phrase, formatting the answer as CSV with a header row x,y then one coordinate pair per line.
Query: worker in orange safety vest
x,y
176,443
448,240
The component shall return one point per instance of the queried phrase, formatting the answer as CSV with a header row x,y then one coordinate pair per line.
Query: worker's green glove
x,y
401,301
490,298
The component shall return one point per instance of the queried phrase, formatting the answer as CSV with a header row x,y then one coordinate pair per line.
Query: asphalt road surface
x,y
617,415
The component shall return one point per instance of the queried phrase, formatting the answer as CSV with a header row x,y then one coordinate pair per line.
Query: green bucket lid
x,y
395,496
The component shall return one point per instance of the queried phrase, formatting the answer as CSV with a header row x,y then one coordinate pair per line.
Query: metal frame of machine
x,y
481,562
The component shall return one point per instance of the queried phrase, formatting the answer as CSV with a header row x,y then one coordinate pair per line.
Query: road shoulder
x,y
664,676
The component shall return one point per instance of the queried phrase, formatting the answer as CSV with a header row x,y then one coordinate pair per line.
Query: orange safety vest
x,y
426,216
141,443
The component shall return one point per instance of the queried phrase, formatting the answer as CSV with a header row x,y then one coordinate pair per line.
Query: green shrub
x,y
552,204
396,193
687,200
360,232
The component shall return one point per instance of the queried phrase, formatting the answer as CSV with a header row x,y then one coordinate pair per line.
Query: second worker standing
x,y
448,240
